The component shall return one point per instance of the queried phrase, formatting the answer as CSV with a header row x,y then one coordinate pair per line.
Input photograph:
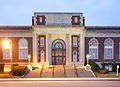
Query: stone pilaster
x,y
47,49
67,49
70,48
34,47
82,48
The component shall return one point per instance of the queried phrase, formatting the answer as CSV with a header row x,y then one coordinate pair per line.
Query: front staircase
x,y
60,71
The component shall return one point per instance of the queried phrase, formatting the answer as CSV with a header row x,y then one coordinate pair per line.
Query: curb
x,y
60,79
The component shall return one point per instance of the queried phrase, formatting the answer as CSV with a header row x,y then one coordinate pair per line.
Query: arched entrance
x,y
58,52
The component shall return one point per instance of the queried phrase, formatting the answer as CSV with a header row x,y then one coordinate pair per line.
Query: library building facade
x,y
59,39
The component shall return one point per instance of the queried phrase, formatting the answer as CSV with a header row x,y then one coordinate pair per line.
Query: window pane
x,y
74,41
108,53
93,48
75,56
108,49
42,41
7,53
93,53
23,49
40,19
76,19
23,53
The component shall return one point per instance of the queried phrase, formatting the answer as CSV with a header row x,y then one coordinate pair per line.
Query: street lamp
x,y
29,58
87,56
88,67
29,65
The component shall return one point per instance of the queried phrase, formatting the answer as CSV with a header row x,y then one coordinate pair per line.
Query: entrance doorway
x,y
58,52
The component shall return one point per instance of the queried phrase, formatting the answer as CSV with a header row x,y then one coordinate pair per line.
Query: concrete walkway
x,y
59,71
34,74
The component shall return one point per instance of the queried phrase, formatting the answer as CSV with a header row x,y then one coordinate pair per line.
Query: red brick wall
x,y
101,49
15,49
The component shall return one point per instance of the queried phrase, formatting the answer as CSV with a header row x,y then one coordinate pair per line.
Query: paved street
x,y
59,83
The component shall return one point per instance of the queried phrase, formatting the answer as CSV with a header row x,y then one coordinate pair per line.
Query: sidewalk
x,y
60,79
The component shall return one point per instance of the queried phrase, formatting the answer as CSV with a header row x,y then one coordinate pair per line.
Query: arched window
x,y
93,48
75,56
108,49
7,49
23,49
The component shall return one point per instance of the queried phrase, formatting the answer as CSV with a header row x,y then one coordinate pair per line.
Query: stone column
x,y
34,47
47,48
67,49
82,48
70,48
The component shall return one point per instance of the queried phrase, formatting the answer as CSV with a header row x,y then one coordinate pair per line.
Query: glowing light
x,y
87,55
6,44
29,56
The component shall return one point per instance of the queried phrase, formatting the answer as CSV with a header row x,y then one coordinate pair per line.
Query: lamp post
x,y
88,67
117,70
87,56
29,65
29,58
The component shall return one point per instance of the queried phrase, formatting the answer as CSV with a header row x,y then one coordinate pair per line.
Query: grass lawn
x,y
110,74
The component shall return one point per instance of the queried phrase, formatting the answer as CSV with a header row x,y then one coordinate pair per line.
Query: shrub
x,y
13,65
104,71
94,66
18,70
1,67
114,66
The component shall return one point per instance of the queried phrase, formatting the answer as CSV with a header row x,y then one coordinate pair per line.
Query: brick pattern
x,y
41,48
101,49
38,20
15,49
75,48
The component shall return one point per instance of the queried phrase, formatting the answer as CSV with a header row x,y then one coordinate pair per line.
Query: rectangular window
x,y
42,41
108,53
23,53
76,19
93,53
74,41
41,19
6,53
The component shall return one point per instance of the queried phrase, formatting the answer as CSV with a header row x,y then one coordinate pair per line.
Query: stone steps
x,y
70,72
59,71
47,72
84,73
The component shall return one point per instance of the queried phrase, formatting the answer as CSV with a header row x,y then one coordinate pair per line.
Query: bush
x,y
18,70
104,71
94,66
114,66
13,65
1,67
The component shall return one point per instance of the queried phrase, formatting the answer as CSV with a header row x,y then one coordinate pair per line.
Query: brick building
x,y
59,39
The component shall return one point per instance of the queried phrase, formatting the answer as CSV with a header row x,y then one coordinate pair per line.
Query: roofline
x,y
16,26
15,30
59,12
102,26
